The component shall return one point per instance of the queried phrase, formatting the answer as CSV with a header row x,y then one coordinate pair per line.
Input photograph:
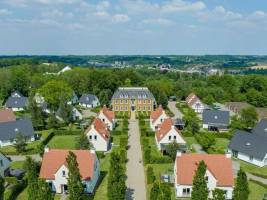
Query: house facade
x,y
194,102
251,146
133,99
219,173
99,135
54,169
167,133
108,117
89,101
17,102
216,120
4,165
157,117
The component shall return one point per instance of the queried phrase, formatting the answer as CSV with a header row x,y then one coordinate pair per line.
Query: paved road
x,y
177,113
35,157
135,182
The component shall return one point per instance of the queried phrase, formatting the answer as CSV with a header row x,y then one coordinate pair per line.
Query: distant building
x,y
133,99
7,115
108,117
157,117
219,173
167,133
216,120
65,69
89,101
251,146
237,107
194,102
17,102
54,169
99,135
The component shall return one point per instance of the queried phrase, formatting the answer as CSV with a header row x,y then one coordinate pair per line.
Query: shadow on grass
x,y
101,177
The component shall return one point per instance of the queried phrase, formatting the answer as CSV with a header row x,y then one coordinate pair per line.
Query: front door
x,y
64,188
133,108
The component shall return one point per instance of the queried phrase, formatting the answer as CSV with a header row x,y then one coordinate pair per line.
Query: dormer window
x,y
215,117
16,129
207,178
63,173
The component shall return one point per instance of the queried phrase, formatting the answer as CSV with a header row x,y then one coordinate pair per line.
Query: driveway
x,y
35,157
88,113
177,113
135,182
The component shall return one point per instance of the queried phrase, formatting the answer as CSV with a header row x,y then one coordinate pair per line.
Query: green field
x,y
63,142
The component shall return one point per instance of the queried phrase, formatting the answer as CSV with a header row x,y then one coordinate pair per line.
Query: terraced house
x,y
133,99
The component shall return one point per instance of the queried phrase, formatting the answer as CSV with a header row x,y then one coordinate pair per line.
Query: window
x,y
139,101
121,101
116,107
174,137
95,137
103,120
63,173
207,178
251,158
126,101
144,101
170,137
116,101
90,137
186,191
1,163
149,108
148,101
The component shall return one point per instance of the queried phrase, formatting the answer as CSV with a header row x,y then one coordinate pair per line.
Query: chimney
x,y
228,154
92,151
178,154
46,149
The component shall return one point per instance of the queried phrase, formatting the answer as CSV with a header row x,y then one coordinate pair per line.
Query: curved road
x,y
177,113
135,182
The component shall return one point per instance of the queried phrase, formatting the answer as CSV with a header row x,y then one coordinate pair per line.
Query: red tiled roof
x,y
191,99
100,127
217,164
164,128
108,113
55,158
156,113
7,115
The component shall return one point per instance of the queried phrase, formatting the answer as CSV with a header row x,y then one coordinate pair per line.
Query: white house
x,y
89,101
76,114
4,165
194,102
157,117
54,169
219,173
16,101
108,117
168,133
99,135
251,146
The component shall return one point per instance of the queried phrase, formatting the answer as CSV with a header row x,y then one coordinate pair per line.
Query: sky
x,y
133,27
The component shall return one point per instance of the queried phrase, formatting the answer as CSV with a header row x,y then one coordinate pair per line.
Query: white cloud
x,y
120,18
257,15
5,12
57,14
158,21
182,6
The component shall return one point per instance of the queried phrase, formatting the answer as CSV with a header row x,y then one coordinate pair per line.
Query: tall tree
x,y
75,186
52,121
200,190
249,117
83,142
20,143
241,190
172,149
2,188
32,178
65,111
44,191
36,114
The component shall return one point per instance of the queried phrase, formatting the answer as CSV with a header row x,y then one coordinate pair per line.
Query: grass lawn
x,y
247,167
17,165
63,142
256,191
24,196
221,145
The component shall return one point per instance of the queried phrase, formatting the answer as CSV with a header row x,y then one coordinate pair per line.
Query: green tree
x,y
44,191
191,121
218,194
52,121
65,111
249,117
54,92
155,191
172,149
32,178
2,188
206,140
75,186
200,190
36,114
83,142
241,190
20,143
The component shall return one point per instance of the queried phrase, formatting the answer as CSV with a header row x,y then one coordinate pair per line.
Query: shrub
x,y
150,175
206,140
123,155
147,156
145,142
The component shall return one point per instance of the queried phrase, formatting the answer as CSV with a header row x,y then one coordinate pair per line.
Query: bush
x,y
123,155
206,140
145,142
147,156
187,133
150,133
150,175
11,180
124,142
100,154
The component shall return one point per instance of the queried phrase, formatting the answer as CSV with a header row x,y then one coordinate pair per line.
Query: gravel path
x,y
136,189
177,113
